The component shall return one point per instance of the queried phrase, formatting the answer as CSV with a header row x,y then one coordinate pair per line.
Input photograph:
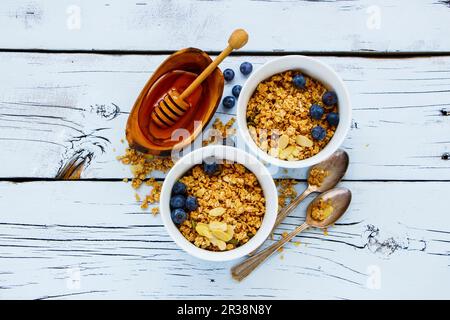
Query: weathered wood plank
x,y
55,107
350,26
91,240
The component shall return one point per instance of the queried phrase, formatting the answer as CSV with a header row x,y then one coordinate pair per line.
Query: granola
x,y
220,132
231,207
279,118
286,191
141,167
316,176
321,210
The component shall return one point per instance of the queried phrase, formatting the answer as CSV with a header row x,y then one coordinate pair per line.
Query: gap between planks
x,y
339,54
30,179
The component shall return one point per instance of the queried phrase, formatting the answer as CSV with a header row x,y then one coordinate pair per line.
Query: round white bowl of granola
x,y
236,203
293,112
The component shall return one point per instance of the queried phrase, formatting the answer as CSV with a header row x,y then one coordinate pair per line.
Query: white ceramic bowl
x,y
315,69
238,156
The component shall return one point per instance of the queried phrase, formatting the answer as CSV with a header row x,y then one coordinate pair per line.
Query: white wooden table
x,y
69,74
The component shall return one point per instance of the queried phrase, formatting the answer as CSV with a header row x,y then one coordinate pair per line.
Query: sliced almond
x,y
252,131
219,243
264,145
217,225
303,141
221,235
296,152
203,230
216,212
230,230
274,152
284,154
327,211
283,141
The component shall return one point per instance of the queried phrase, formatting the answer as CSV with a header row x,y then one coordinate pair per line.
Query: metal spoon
x,y
340,200
336,165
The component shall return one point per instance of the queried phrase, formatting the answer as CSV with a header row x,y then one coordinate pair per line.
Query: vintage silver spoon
x,y
336,165
340,200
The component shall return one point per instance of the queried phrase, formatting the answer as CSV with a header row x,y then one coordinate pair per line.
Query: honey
x,y
178,80
176,72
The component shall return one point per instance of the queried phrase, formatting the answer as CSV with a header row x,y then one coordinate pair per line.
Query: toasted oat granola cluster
x,y
231,207
141,167
316,176
286,191
220,131
321,210
279,118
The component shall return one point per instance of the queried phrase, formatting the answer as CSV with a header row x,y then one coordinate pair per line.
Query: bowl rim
x,y
239,156
296,62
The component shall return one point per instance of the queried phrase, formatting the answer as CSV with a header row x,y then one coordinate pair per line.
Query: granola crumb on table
x,y
141,167
220,130
279,121
231,207
286,191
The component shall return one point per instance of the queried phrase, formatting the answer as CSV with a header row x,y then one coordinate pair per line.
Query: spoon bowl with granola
x,y
322,212
219,203
294,112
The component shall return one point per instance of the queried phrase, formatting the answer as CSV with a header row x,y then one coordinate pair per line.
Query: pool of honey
x,y
179,80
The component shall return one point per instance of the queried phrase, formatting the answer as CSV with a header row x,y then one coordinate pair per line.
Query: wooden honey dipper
x,y
173,106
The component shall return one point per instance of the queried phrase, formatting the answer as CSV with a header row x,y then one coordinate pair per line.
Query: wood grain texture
x,y
91,240
274,26
58,107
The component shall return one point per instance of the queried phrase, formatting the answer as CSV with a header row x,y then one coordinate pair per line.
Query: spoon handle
x,y
243,269
286,211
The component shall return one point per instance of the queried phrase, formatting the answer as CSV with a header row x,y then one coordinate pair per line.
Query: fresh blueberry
x,y
329,98
178,216
299,81
177,201
229,102
236,91
333,119
228,74
246,68
179,188
318,133
191,203
316,112
210,168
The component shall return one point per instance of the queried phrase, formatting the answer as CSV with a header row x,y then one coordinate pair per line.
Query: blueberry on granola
x,y
229,102
210,168
228,74
178,216
329,98
316,112
318,133
299,81
179,188
236,91
333,119
191,203
246,68
177,201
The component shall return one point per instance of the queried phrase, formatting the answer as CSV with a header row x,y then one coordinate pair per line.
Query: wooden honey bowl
x,y
183,66
162,118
